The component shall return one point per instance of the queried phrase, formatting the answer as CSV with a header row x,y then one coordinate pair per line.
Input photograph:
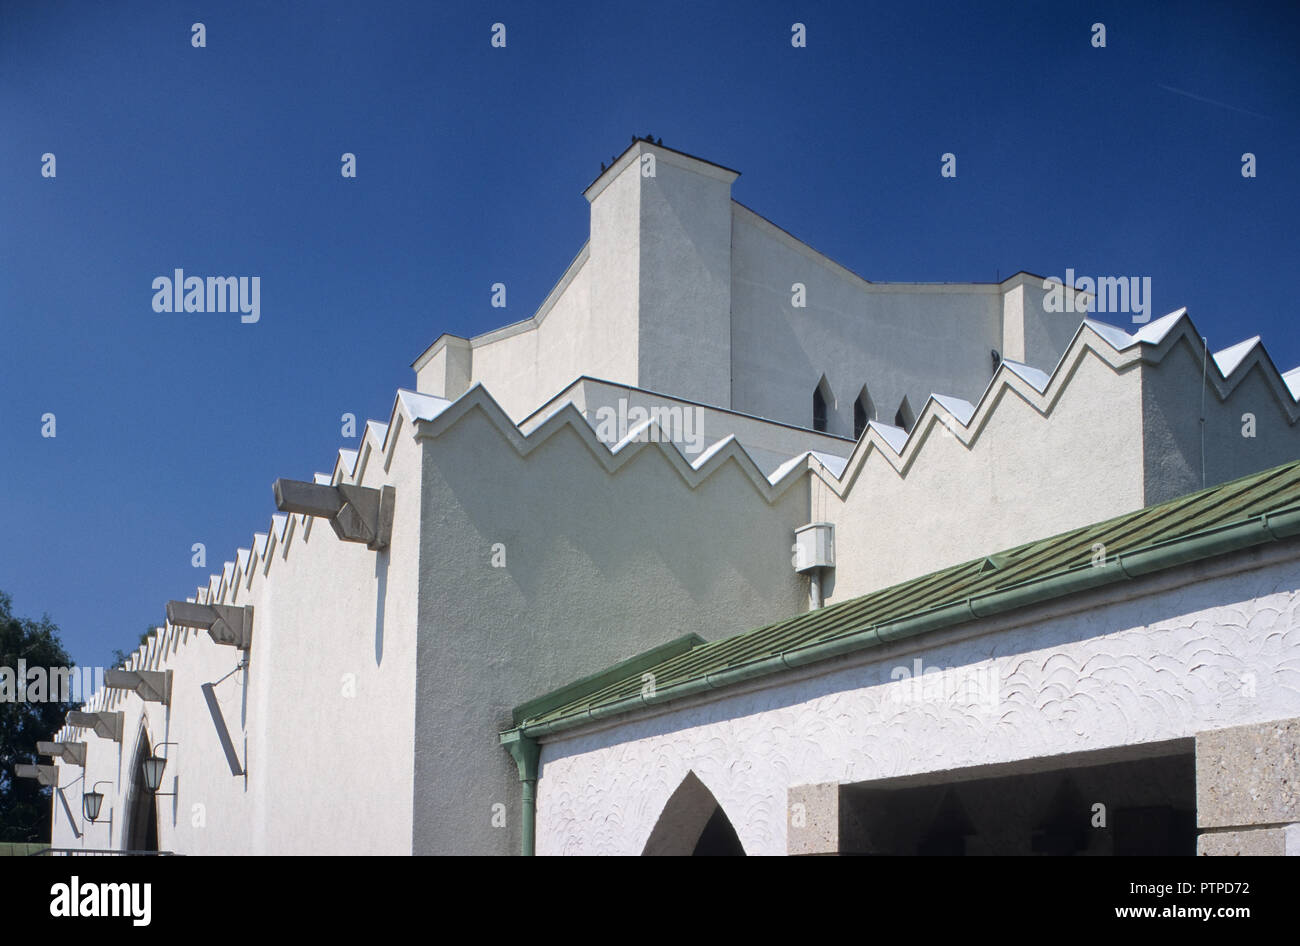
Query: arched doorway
x,y
140,832
693,824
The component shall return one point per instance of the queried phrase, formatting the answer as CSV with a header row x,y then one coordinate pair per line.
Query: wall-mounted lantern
x,y
153,770
93,800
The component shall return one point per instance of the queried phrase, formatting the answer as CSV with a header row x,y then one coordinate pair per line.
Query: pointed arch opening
x,y
864,411
140,831
821,402
948,830
905,417
693,824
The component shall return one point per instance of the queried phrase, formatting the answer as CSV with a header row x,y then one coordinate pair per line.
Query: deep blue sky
x,y
472,160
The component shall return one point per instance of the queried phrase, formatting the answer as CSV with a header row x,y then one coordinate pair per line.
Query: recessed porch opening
x,y
1142,806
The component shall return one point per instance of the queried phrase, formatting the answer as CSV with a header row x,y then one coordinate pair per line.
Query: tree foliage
x,y
120,657
25,805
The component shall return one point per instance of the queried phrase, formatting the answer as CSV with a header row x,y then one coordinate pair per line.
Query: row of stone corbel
x,y
356,513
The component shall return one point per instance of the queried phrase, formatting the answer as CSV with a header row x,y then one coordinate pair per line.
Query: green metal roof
x,y
632,667
1255,509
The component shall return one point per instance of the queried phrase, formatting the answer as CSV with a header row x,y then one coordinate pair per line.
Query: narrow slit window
x,y
905,418
863,411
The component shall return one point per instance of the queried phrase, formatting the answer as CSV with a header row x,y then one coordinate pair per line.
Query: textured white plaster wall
x,y
1046,334
526,367
1124,673
687,293
685,281
1171,401
340,609
326,773
650,306
896,339
195,661
615,261
1013,323
598,567
1025,477
447,372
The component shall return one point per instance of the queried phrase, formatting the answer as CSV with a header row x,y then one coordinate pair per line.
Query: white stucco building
x,y
552,539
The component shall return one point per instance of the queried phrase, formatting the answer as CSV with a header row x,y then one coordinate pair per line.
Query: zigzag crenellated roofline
x,y
1112,345
430,416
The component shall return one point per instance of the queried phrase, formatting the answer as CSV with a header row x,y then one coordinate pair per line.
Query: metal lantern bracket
x,y
72,820
219,720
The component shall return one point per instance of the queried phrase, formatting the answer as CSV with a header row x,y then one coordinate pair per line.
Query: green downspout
x,y
526,753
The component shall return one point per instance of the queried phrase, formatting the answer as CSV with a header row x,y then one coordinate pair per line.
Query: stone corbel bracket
x,y
226,623
44,774
106,725
152,686
356,513
74,753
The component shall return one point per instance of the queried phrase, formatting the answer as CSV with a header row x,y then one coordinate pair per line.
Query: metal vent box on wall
x,y
814,546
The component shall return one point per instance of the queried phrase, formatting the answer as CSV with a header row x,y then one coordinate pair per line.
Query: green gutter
x,y
1258,530
526,753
